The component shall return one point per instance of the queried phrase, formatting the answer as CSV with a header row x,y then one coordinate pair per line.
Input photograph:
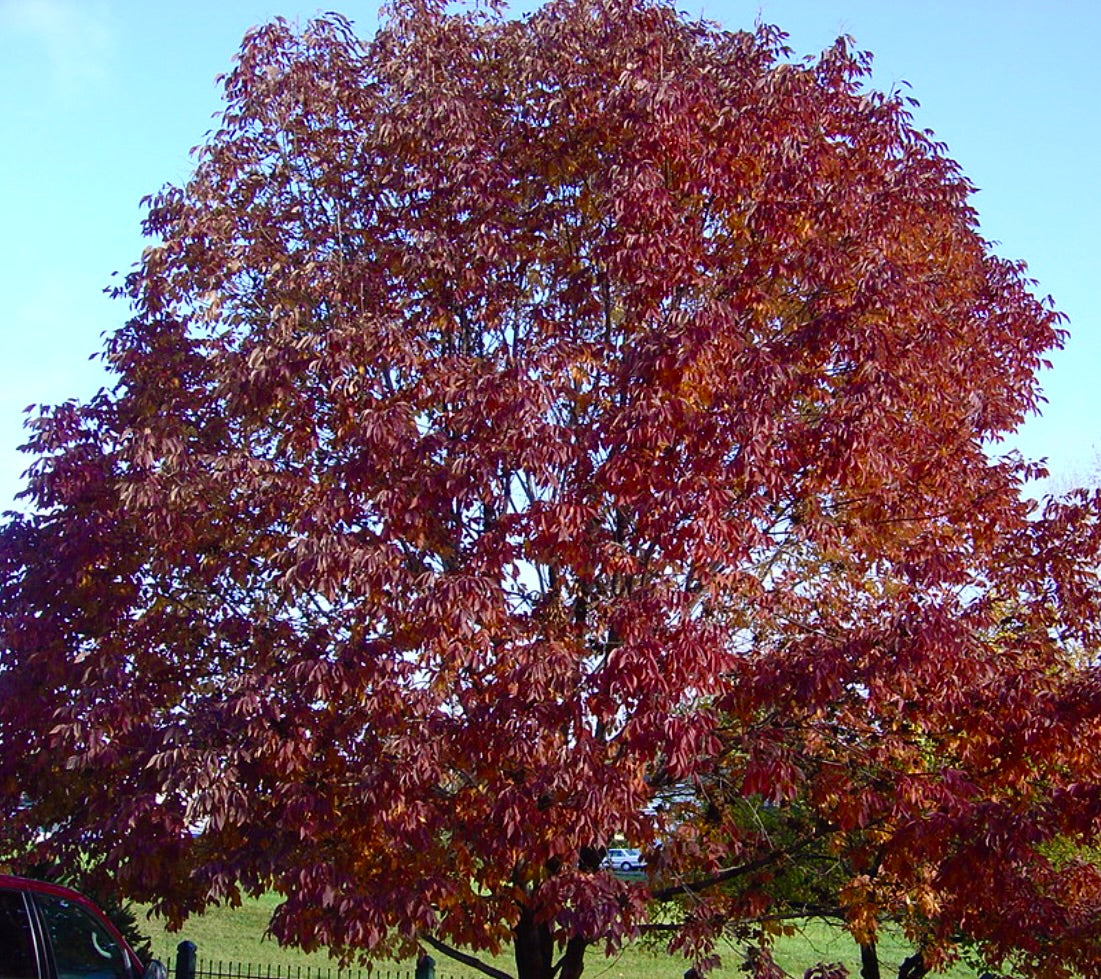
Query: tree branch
x,y
470,960
740,871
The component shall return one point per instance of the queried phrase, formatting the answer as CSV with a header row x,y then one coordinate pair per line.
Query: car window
x,y
83,947
17,959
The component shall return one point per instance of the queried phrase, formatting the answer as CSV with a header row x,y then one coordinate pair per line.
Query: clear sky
x,y
103,100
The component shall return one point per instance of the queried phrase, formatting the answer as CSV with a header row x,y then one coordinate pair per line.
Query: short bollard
x,y
185,960
426,967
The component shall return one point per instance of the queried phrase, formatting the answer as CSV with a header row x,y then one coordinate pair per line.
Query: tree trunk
x,y
869,961
573,960
534,948
913,968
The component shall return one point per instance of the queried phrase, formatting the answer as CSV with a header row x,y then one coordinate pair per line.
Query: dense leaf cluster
x,y
536,433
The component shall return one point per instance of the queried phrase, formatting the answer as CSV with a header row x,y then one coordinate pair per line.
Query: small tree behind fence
x,y
189,965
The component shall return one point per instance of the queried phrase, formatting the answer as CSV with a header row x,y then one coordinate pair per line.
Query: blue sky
x,y
103,100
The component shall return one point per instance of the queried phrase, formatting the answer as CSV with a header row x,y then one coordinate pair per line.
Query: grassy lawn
x,y
237,935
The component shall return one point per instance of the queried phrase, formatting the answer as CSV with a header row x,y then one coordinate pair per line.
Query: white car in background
x,y
623,859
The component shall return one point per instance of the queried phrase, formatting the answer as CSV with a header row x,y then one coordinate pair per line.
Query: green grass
x,y
237,935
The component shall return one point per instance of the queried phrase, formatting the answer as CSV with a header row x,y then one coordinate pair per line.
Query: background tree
x,y
532,432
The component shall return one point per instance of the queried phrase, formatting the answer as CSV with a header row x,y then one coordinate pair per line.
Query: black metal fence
x,y
189,965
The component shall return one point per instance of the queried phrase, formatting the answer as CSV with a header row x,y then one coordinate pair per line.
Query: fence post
x,y
185,960
426,967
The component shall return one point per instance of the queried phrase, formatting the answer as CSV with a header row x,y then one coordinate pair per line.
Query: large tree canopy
x,y
536,433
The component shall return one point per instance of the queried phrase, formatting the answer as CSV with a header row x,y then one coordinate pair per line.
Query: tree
x,y
535,432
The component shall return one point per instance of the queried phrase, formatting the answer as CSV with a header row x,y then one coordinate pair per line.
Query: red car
x,y
51,932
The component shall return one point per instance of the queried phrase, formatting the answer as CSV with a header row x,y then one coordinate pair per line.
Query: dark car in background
x,y
51,932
